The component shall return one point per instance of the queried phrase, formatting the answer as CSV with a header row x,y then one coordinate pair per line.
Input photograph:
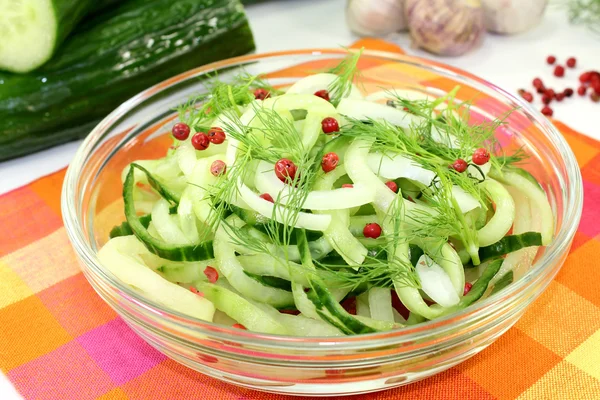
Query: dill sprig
x,y
518,157
584,12
447,134
270,136
373,272
256,82
446,220
200,110
346,71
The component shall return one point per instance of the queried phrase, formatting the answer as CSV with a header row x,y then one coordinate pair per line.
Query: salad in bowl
x,y
314,209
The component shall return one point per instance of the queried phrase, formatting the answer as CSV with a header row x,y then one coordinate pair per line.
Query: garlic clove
x,y
512,16
375,17
445,27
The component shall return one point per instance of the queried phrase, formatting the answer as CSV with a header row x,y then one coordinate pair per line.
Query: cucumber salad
x,y
316,210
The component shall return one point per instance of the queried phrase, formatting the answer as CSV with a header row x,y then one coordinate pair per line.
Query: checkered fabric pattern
x,y
52,350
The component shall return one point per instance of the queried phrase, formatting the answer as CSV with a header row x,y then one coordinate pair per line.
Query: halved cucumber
x,y
31,30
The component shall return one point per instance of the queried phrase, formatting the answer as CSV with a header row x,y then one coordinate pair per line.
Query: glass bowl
x,y
139,128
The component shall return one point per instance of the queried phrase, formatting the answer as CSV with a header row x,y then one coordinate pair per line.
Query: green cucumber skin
x,y
195,252
503,282
509,244
125,230
164,192
271,281
478,289
69,13
90,75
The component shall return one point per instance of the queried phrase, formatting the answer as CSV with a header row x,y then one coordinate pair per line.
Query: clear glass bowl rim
x,y
71,209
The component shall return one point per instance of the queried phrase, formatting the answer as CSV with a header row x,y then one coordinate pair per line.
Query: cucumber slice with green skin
x,y
540,207
271,281
113,56
195,252
260,222
231,268
508,244
240,309
480,286
476,292
326,306
125,230
31,30
503,282
121,257
502,220
162,190
264,264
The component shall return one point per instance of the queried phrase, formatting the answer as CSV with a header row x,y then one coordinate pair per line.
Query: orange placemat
x,y
59,341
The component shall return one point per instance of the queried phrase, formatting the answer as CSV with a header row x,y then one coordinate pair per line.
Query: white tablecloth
x,y
510,62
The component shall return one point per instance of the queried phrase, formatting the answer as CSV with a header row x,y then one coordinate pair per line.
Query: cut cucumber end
x,y
27,32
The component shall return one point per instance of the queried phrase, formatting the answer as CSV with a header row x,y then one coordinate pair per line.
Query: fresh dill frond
x,y
271,136
373,272
446,220
518,157
200,110
256,82
346,71
584,12
416,145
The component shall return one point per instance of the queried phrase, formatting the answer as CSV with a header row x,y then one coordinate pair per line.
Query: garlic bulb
x,y
446,27
375,17
512,16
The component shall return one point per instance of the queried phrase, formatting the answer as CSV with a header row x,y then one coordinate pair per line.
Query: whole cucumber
x,y
110,58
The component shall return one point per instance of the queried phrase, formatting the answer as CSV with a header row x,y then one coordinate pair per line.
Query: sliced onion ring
x,y
267,182
435,282
314,222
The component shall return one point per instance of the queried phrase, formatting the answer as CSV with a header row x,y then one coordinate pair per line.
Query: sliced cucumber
x,y
503,218
195,252
240,309
271,281
119,257
508,244
540,206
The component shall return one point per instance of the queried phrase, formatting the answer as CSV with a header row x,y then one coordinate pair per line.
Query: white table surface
x,y
510,62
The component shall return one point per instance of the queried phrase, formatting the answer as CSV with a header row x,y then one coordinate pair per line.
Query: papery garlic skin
x,y
512,16
375,17
445,27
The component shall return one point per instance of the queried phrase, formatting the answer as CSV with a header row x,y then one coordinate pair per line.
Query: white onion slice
x,y
435,282
396,166
476,173
314,222
313,83
267,182
465,201
363,109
